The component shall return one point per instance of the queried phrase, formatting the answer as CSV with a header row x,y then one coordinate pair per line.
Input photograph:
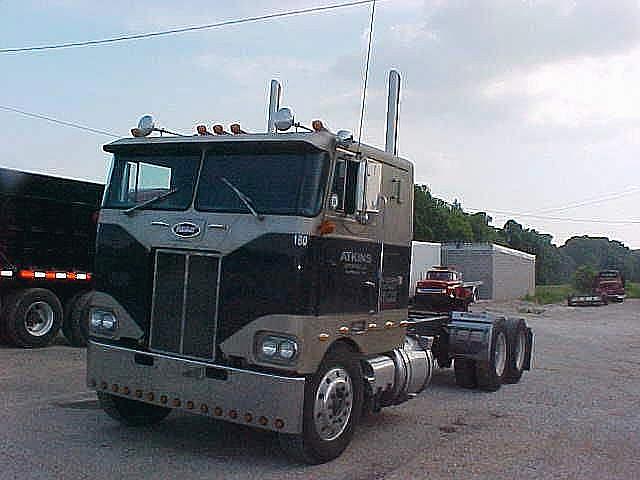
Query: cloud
x,y
581,92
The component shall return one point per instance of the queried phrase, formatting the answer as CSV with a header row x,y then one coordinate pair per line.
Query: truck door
x,y
350,257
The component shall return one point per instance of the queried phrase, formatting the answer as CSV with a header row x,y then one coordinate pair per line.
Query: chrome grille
x,y
184,304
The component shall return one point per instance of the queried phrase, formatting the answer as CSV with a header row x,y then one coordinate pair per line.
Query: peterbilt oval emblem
x,y
186,229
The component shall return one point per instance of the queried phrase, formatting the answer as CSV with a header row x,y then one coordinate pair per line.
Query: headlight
x,y
103,323
273,348
287,349
269,347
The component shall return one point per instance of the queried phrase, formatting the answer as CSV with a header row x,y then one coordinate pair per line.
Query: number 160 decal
x,y
300,239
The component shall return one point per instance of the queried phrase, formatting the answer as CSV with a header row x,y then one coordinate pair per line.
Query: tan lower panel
x,y
307,330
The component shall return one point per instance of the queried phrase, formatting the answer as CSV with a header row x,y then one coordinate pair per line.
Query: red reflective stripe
x,y
53,275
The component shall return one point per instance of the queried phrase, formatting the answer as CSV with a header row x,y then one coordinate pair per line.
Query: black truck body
x,y
47,247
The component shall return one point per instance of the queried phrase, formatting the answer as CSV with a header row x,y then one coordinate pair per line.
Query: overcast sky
x,y
507,105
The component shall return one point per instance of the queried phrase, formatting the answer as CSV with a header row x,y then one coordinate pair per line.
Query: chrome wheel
x,y
38,319
333,404
520,348
500,354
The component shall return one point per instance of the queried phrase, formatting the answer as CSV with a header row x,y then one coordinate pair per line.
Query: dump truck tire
x,y
32,317
76,319
131,412
336,391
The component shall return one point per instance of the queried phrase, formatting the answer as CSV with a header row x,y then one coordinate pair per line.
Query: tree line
x,y
435,220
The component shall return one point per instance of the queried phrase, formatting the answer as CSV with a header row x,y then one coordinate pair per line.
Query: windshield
x,y
162,182
609,275
435,275
275,183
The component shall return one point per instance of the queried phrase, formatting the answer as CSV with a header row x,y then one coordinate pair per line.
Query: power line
x,y
593,200
191,28
59,122
562,219
366,73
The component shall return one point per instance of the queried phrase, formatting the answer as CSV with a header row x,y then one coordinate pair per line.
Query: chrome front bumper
x,y
261,400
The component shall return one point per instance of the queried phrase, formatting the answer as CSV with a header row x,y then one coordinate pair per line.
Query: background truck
x,y
608,286
610,283
266,283
443,289
46,252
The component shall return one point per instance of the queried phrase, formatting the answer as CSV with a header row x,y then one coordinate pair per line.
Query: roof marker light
x,y
202,130
317,126
236,129
219,130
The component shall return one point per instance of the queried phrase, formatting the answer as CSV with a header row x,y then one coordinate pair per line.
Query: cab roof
x,y
323,140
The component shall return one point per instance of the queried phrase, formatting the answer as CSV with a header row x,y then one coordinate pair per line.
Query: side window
x,y
345,183
142,181
369,185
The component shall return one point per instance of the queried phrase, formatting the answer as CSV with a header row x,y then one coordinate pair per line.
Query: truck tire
x,y
32,317
328,424
465,371
490,374
517,346
131,412
76,319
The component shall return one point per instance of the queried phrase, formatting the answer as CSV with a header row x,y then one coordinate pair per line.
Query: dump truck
x,y
263,279
46,254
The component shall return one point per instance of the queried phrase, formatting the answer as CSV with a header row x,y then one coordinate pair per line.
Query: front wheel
x,y
332,405
131,412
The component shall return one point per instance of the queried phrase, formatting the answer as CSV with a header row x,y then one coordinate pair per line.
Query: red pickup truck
x,y
442,289
610,283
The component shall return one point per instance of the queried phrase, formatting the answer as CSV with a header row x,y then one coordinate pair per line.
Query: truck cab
x,y
610,284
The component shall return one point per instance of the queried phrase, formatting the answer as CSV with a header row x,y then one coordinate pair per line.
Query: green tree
x,y
583,278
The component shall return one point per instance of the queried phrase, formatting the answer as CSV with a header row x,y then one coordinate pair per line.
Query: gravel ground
x,y
575,415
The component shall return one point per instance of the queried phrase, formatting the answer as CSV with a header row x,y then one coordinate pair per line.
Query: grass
x,y
546,294
633,290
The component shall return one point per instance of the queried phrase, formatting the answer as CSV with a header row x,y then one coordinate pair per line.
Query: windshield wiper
x,y
162,196
244,198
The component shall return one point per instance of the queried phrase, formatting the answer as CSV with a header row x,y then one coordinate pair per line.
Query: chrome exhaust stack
x,y
274,104
401,374
393,101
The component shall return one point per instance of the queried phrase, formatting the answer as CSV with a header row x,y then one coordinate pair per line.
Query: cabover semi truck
x,y
46,253
263,279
